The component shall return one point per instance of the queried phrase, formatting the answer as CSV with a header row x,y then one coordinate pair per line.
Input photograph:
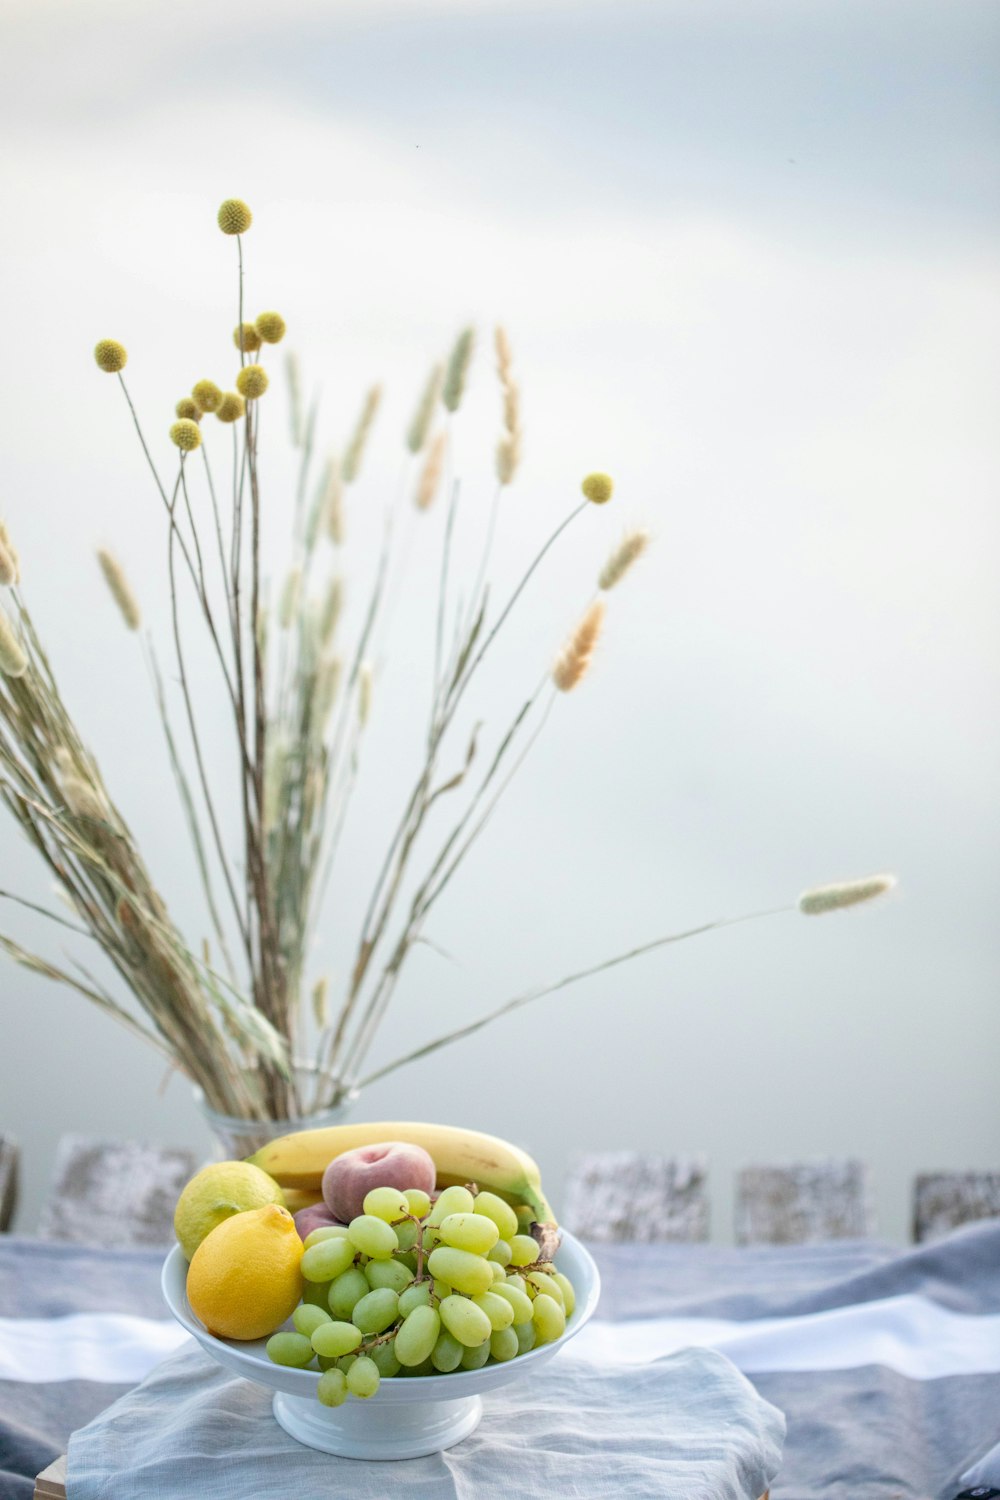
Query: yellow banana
x,y
298,1161
296,1198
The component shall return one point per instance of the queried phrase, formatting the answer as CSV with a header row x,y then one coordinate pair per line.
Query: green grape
x,y
499,1311
390,1273
332,1388
335,1339
454,1200
501,1253
473,1232
499,1273
307,1317
461,1269
441,1288
518,1282
328,1259
549,1318
416,1339
348,1289
292,1349
542,1282
386,1203
384,1356
523,1250
325,1232
474,1359
406,1234
525,1219
408,1259
504,1345
424,1368
374,1313
373,1237
419,1201
316,1293
569,1294
465,1320
447,1353
526,1336
345,1362
417,1294
363,1377
519,1301
500,1212
324,1363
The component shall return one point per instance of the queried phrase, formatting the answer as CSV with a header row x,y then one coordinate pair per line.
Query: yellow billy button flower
x,y
186,435
207,395
271,327
246,338
251,382
188,407
230,408
598,488
234,216
111,356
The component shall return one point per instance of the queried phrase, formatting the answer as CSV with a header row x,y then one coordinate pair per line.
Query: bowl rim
x,y
451,1386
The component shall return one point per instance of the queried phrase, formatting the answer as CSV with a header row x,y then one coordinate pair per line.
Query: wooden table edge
x,y
51,1482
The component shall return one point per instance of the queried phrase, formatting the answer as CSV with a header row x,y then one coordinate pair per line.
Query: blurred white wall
x,y
746,256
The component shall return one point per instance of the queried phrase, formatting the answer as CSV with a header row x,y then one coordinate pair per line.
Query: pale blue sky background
x,y
747,258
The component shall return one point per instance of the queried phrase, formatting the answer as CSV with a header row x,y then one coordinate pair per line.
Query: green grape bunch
x,y
412,1287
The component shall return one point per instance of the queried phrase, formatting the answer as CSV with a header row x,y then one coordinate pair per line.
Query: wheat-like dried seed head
x,y
14,560
430,474
289,597
365,685
508,456
118,585
420,426
631,547
356,447
8,567
458,369
573,660
824,898
13,662
332,606
333,503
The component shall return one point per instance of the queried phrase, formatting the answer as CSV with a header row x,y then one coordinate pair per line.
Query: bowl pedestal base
x,y
368,1429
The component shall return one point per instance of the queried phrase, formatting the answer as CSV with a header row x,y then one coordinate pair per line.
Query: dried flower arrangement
x,y
234,1013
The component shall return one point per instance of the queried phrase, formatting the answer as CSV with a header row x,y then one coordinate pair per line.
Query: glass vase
x,y
236,1137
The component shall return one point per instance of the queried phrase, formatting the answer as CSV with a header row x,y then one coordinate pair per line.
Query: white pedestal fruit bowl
x,y
408,1416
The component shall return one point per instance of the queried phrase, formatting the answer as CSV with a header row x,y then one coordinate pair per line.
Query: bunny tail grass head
x,y
365,685
110,356
188,407
207,394
246,338
234,216
458,369
271,327
430,474
573,660
333,501
231,407
598,488
251,382
420,426
186,435
333,603
118,586
631,547
823,898
508,457
13,662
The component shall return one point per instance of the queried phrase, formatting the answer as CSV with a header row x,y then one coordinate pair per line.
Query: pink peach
x,y
316,1216
351,1176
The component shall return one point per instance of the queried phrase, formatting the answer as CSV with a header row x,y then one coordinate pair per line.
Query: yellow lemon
x,y
217,1192
244,1279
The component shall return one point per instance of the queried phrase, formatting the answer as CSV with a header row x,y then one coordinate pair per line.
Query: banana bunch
x,y
298,1161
